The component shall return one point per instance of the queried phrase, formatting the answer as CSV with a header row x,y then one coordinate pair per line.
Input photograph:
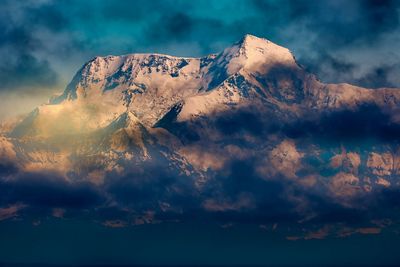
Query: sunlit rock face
x,y
168,134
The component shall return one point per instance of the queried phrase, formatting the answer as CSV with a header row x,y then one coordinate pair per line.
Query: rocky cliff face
x,y
250,110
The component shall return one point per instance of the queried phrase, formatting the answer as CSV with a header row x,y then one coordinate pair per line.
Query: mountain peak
x,y
249,39
255,54
250,43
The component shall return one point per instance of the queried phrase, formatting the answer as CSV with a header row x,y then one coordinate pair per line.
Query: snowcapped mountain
x,y
195,117
150,85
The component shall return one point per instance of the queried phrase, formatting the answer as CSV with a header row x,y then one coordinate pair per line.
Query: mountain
x,y
250,111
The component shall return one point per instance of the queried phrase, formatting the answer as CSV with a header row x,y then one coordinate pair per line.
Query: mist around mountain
x,y
245,136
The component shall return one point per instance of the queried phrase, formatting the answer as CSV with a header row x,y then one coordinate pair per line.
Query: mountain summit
x,y
251,52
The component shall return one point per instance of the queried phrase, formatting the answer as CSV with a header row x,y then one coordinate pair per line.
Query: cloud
x,y
8,168
26,71
340,41
351,127
381,76
10,211
20,67
46,191
145,188
352,21
280,169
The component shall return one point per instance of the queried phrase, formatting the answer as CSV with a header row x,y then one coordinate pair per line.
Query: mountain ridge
x,y
184,125
228,63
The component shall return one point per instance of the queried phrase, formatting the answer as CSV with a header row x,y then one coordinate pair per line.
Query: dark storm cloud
x,y
7,168
381,76
239,193
146,188
283,201
26,71
331,68
367,123
48,16
337,69
240,123
331,30
336,22
175,26
131,11
251,199
352,127
46,191
20,67
363,125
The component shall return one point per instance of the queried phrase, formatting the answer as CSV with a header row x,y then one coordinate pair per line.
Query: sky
x,y
44,42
